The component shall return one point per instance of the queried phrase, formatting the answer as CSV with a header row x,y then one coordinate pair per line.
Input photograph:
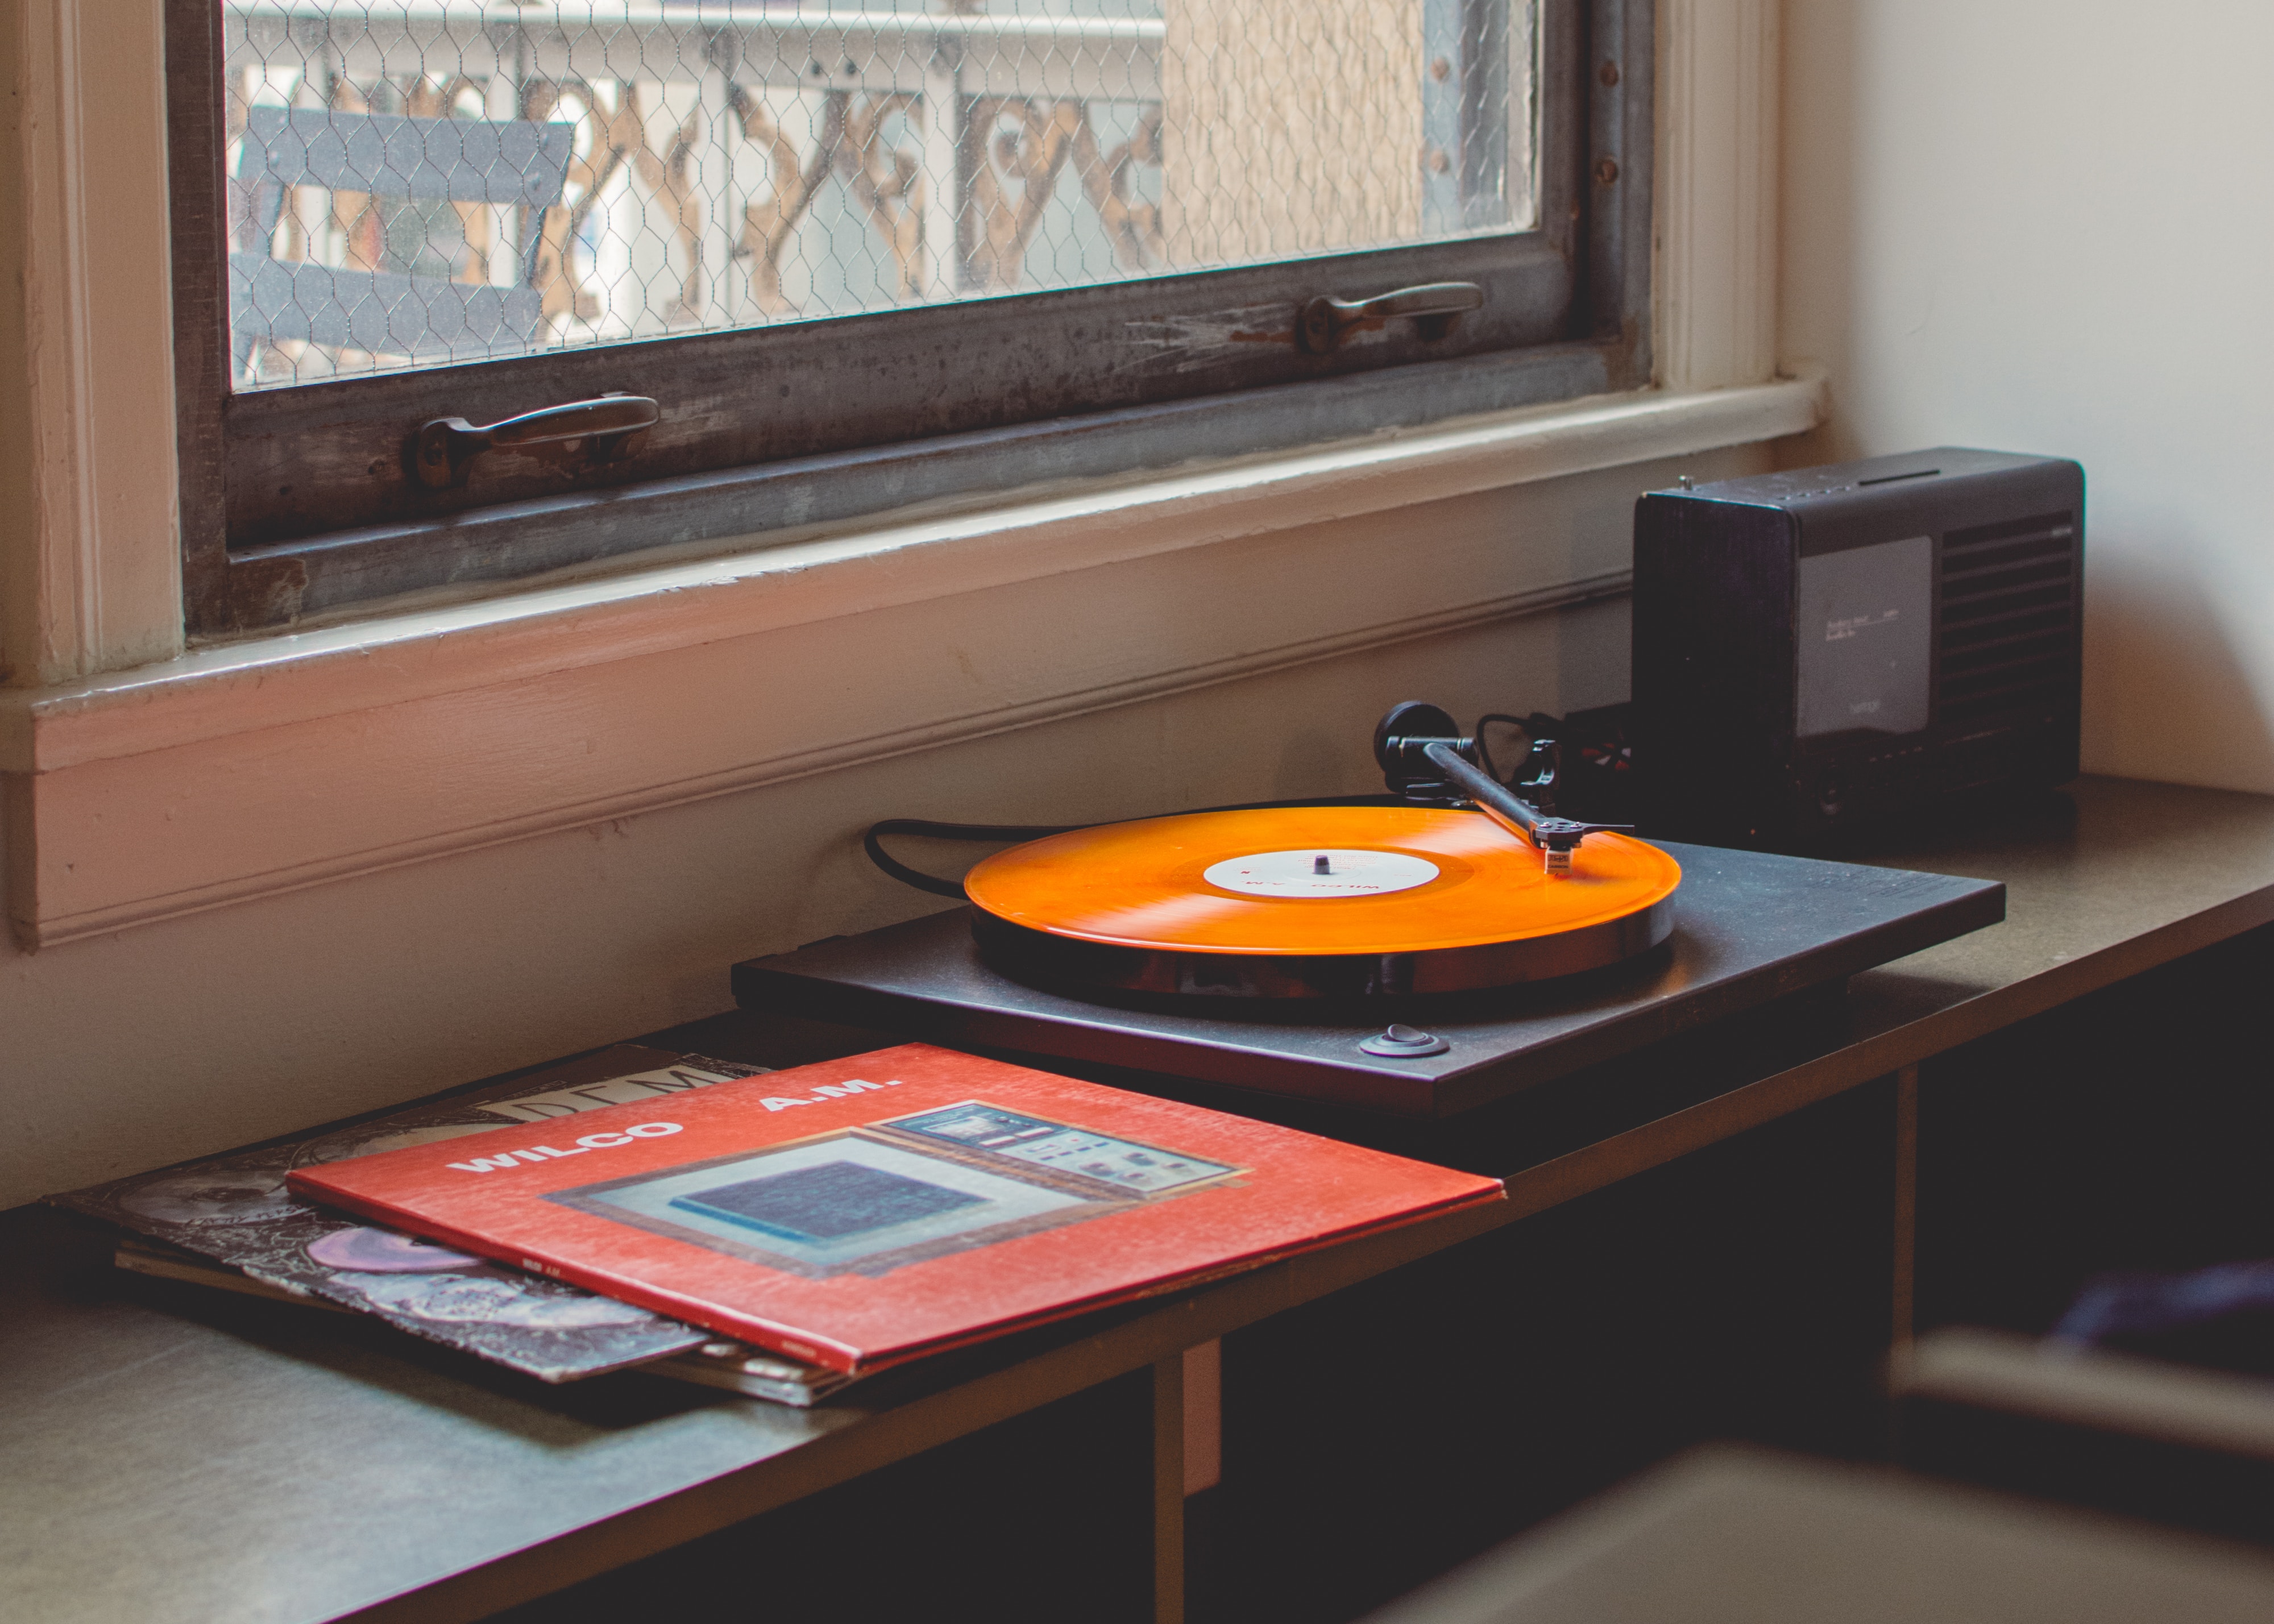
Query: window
x,y
859,258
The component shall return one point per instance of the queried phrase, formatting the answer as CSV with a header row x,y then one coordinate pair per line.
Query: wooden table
x,y
172,1458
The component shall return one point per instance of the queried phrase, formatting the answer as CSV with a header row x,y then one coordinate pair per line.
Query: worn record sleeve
x,y
863,1211
235,1210
717,1363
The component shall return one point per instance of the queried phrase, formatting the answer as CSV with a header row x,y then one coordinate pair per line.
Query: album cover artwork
x,y
863,1211
237,1210
717,1362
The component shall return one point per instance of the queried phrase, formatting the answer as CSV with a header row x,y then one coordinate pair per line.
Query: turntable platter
x,y
1315,901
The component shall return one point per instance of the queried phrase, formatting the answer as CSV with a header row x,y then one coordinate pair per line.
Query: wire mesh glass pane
x,y
416,182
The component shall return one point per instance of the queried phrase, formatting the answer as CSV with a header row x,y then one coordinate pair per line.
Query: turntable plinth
x,y
1748,929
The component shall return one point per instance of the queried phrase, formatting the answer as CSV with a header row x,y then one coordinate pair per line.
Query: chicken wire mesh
x,y
432,181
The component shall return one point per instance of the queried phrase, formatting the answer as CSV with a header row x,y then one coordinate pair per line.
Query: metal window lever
x,y
1322,321
1420,753
442,449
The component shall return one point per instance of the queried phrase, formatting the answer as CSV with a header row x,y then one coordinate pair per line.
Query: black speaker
x,y
1852,645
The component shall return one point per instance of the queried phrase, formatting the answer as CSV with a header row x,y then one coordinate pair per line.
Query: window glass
x,y
424,182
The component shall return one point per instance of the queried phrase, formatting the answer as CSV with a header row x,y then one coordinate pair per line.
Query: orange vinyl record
x,y
1315,901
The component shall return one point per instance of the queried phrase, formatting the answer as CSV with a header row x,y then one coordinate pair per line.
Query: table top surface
x,y
168,1452
1749,927
2113,877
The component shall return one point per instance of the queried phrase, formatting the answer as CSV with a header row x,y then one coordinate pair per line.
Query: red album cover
x,y
862,1212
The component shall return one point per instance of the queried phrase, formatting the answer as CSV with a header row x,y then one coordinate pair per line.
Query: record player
x,y
1420,953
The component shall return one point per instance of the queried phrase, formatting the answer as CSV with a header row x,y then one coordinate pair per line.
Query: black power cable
x,y
1536,726
872,843
1539,725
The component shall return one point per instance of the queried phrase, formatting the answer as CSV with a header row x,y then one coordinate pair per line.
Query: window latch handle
x,y
442,449
1322,321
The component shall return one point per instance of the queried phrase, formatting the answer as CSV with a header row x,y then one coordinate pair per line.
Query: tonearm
x,y
1425,758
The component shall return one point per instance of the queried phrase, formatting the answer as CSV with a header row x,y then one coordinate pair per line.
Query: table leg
x,y
1906,1203
1169,1490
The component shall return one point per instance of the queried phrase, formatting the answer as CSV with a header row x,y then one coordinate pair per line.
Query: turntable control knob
x,y
1402,1043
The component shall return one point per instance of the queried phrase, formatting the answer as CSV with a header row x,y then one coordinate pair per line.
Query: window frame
x,y
1568,315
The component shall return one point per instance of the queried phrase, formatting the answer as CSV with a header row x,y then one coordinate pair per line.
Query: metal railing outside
x,y
733,163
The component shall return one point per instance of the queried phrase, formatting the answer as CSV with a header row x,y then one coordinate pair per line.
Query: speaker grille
x,y
2008,602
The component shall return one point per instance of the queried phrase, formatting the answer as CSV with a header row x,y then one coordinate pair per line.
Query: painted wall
x,y
2047,226
176,1039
